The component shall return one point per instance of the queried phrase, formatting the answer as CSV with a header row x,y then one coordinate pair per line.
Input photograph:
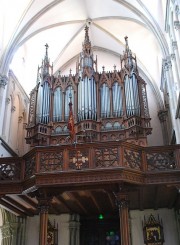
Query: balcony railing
x,y
91,156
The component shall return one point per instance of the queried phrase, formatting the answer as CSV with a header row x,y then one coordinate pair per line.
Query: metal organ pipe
x,y
57,106
132,96
87,99
105,101
117,100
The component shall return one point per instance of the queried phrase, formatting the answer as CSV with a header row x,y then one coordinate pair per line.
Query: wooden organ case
x,y
106,106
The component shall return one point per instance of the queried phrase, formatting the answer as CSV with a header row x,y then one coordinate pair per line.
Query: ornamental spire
x,y
128,60
87,43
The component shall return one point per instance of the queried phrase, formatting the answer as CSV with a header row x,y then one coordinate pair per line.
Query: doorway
x,y
99,230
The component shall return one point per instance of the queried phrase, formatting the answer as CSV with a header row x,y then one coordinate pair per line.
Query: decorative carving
x,y
3,81
162,114
144,100
161,161
78,159
8,100
132,159
29,167
177,25
32,108
13,109
10,170
20,119
177,10
106,157
174,45
51,161
173,56
167,64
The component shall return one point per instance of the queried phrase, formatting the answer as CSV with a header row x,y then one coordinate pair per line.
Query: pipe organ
x,y
106,106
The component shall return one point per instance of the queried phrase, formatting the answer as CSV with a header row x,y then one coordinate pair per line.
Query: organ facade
x,y
106,106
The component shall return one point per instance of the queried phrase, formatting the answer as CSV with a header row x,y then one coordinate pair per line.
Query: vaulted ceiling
x,y
27,25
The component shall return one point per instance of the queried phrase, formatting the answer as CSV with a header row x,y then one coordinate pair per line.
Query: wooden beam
x,y
28,211
94,201
62,201
12,208
111,199
75,198
29,201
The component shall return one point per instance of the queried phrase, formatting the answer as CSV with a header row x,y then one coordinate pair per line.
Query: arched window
x,y
109,126
43,103
105,101
57,105
132,96
117,100
58,130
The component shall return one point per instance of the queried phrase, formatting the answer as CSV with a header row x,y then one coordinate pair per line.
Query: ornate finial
x,y
47,46
126,40
114,67
86,34
103,67
70,71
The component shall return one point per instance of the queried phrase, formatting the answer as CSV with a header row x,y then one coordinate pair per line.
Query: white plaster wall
x,y
63,227
13,129
32,229
168,220
156,138
4,152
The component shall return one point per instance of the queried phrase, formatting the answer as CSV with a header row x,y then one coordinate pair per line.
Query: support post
x,y
123,203
44,201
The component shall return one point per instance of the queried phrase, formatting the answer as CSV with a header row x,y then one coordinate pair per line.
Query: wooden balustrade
x,y
65,158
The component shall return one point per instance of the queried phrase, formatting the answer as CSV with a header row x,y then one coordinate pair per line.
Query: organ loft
x,y
102,107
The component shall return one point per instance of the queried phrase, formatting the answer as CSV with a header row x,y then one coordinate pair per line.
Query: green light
x,y
101,216
111,233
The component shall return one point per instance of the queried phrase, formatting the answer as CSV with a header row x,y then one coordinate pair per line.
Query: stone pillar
x,y
3,83
122,202
167,66
162,114
74,226
176,61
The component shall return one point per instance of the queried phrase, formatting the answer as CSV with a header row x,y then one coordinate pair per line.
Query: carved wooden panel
x,y
161,161
106,157
51,161
78,159
30,164
132,159
10,170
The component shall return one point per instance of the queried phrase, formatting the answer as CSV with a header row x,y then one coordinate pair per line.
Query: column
x,y
43,224
163,114
44,201
74,227
167,66
123,203
3,83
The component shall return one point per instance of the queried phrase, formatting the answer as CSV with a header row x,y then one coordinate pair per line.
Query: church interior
x,y
90,122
